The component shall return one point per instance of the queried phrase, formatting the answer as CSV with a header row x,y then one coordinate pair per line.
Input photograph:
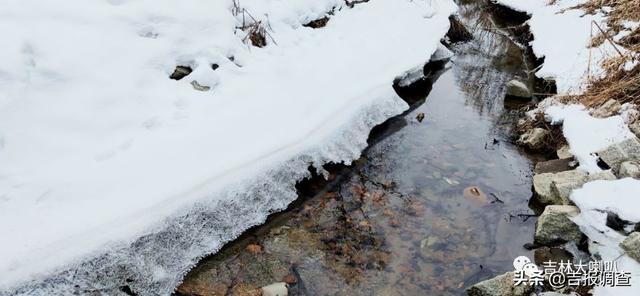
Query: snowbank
x,y
561,36
112,174
587,135
596,198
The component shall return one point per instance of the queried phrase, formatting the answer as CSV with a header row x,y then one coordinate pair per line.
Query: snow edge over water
x,y
155,263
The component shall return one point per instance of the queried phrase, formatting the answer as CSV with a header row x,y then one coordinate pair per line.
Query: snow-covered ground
x,y
561,36
586,135
110,170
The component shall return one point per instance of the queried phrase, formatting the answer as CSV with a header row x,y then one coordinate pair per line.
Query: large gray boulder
x,y
555,188
616,154
502,285
631,245
517,89
534,138
554,226
548,185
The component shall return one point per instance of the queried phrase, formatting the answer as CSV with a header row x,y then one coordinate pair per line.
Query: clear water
x,y
431,208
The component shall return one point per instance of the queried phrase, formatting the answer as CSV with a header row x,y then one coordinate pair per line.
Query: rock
x,y
542,189
198,86
565,182
275,289
243,289
564,152
290,279
546,254
420,117
635,128
180,72
475,193
499,286
555,165
631,245
534,139
254,248
629,169
609,108
616,154
554,226
458,32
615,222
518,89
555,188
561,188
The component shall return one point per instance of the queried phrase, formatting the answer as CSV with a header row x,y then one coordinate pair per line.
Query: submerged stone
x,y
517,89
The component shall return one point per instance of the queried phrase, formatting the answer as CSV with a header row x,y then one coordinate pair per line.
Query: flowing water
x,y
431,208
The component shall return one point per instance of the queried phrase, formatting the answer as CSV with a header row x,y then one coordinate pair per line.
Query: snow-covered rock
x,y
561,188
614,155
555,188
586,134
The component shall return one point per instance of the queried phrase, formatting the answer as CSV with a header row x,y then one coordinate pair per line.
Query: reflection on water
x,y
430,209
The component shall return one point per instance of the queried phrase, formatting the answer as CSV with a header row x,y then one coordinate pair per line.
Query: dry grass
x,y
619,82
256,30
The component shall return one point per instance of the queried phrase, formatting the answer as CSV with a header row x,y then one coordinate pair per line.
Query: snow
x,y
622,198
594,199
109,169
561,36
587,135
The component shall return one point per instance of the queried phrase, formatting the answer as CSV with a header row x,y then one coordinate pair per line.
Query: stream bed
x,y
432,207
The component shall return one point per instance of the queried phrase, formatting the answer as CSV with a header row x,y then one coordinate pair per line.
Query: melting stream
x,y
431,208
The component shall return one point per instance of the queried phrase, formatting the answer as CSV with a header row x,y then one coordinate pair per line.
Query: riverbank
x,y
437,203
137,137
587,189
